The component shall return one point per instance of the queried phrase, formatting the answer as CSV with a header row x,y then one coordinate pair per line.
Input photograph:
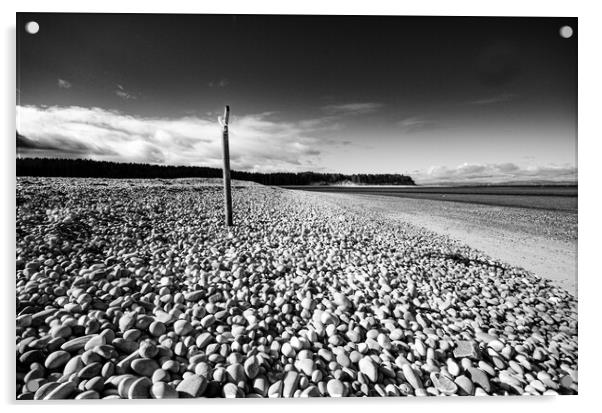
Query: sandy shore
x,y
542,242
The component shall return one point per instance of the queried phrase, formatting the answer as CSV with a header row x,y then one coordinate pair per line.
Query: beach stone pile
x,y
135,289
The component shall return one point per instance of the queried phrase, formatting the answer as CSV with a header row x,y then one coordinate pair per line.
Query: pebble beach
x,y
129,289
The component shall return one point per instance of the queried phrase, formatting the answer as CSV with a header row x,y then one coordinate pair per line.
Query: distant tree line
x,y
85,168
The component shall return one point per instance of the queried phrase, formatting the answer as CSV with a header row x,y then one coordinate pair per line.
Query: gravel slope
x,y
541,241
134,289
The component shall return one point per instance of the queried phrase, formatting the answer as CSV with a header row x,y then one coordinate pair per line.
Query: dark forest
x,y
84,168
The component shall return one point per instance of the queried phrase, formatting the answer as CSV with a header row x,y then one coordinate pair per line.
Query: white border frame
x,y
590,70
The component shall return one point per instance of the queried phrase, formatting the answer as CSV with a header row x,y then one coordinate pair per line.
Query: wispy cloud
x,y
257,142
123,94
58,143
219,83
503,97
63,84
496,173
417,124
357,108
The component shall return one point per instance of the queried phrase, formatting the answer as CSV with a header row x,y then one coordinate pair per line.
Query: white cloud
x,y
257,142
357,108
63,84
417,124
496,173
123,94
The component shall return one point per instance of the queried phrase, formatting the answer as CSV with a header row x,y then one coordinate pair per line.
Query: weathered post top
x,y
226,115
226,171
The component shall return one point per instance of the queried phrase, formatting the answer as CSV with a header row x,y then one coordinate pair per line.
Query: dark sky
x,y
437,97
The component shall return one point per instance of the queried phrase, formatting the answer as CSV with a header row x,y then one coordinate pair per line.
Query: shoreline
x,y
550,256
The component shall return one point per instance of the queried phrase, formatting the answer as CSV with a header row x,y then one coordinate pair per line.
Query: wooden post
x,y
226,150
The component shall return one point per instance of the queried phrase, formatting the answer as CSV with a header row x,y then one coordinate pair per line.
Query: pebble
x,y
484,337
147,349
453,367
90,371
182,327
291,381
140,388
509,379
251,367
275,390
369,368
127,321
411,377
465,348
465,386
157,328
144,366
192,386
312,391
44,390
480,378
260,386
207,321
162,375
342,301
335,388
95,340
57,359
74,365
88,395
76,344
307,366
162,390
444,384
288,350
96,383
62,391
496,345
130,289
203,340
231,391
235,373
